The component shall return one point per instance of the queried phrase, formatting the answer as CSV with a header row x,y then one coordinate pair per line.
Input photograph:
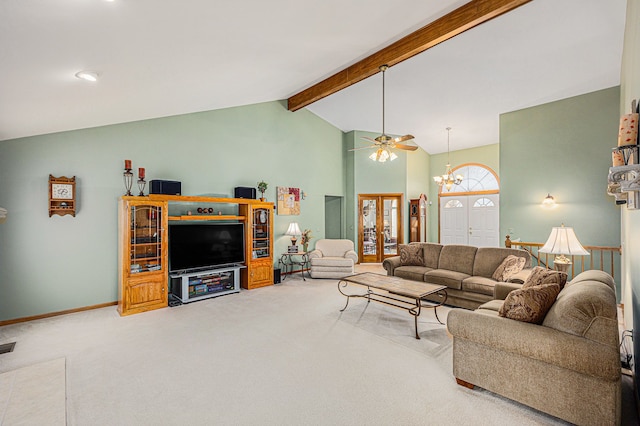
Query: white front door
x,y
470,219
484,220
454,219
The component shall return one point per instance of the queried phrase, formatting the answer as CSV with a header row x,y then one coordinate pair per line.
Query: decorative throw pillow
x,y
540,275
530,304
510,266
411,255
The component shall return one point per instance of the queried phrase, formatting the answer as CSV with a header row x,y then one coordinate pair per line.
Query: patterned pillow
x,y
411,255
540,275
530,304
510,266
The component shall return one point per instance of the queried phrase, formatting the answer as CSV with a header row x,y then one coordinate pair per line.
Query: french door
x,y
379,226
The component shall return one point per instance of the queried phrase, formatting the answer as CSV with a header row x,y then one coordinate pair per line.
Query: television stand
x,y
199,285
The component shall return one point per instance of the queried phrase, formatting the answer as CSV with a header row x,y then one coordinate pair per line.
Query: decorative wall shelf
x,y
624,185
627,176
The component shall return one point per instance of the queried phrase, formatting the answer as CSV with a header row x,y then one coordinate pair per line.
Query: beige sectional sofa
x,y
569,366
465,270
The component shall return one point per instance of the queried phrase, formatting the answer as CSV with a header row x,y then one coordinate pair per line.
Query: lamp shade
x,y
563,240
293,229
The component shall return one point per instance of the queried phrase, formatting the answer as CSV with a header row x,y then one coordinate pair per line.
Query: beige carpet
x,y
34,395
281,355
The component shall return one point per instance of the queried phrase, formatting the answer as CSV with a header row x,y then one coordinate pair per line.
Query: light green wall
x,y
59,263
562,148
488,155
418,174
630,89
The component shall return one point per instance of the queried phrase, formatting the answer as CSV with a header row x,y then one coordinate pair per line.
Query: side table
x,y
287,262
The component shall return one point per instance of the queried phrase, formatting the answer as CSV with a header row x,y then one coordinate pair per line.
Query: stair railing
x,y
603,258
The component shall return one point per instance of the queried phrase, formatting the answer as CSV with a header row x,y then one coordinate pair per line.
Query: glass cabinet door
x,y
261,226
146,238
369,219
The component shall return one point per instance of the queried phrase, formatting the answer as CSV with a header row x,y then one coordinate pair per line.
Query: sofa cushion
x,y
480,285
457,258
488,259
451,279
541,275
492,305
530,304
410,255
415,273
431,254
331,261
587,309
334,248
510,266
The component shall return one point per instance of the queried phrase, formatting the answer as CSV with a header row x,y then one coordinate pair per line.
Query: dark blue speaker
x,y
166,187
245,192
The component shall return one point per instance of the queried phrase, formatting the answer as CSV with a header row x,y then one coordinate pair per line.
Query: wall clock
x,y
62,195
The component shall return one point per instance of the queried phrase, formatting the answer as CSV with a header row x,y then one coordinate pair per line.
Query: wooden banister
x,y
601,258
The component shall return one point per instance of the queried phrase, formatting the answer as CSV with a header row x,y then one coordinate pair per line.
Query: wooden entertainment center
x,y
143,255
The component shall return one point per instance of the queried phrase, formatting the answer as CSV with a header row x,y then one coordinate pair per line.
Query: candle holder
x,y
128,181
141,184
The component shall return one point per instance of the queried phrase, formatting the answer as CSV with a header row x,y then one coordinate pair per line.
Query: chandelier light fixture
x,y
448,179
383,154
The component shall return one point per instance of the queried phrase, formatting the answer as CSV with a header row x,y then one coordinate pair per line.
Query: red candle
x,y
141,173
127,164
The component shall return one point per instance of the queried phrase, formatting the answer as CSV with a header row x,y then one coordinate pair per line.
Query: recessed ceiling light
x,y
87,75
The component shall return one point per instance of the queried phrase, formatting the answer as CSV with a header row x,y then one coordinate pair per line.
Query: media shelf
x,y
143,247
193,286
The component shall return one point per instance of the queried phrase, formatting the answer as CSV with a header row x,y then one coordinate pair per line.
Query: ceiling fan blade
x,y
363,147
369,139
403,138
405,147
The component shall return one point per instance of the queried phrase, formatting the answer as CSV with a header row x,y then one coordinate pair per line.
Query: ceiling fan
x,y
385,143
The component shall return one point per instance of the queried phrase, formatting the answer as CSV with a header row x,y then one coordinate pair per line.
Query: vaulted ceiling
x,y
162,58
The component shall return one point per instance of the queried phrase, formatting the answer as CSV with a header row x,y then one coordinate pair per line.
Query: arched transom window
x,y
453,204
475,178
483,202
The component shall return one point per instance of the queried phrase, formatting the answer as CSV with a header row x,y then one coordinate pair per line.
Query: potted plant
x,y
262,186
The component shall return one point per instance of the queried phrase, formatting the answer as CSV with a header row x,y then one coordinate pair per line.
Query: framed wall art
x,y
288,200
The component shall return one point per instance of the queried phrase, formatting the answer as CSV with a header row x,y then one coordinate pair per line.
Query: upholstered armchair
x,y
333,259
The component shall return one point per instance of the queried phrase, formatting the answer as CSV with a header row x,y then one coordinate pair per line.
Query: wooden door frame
x,y
379,222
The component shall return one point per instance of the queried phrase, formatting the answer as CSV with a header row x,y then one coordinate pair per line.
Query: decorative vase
x,y
305,246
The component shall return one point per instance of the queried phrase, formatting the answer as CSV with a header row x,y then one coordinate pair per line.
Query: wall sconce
x,y
549,202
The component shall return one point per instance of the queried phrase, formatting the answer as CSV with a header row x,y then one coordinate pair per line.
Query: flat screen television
x,y
197,246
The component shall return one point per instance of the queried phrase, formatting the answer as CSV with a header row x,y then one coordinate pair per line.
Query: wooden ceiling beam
x,y
462,19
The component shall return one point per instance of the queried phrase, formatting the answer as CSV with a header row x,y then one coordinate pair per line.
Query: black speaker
x,y
245,192
276,276
167,187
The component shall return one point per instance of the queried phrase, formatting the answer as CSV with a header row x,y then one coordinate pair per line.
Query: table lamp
x,y
563,241
293,230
